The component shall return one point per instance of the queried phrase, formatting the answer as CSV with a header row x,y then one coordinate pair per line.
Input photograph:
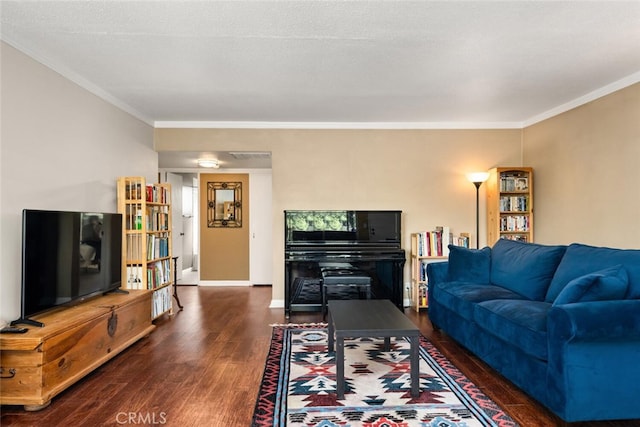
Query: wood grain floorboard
x,y
203,366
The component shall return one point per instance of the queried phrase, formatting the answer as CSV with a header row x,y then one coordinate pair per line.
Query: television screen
x,y
68,256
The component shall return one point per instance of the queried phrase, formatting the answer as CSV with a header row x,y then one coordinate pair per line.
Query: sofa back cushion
x,y
608,284
469,265
583,259
525,268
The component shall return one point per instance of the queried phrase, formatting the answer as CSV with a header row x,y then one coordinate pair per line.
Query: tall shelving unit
x,y
146,241
510,204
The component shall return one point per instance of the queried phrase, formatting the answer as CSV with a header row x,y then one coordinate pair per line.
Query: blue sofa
x,y
560,322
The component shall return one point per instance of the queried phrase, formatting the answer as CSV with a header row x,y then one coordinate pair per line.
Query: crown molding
x,y
334,125
222,170
74,77
591,96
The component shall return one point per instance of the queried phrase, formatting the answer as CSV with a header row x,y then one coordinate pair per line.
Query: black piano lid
x,y
342,227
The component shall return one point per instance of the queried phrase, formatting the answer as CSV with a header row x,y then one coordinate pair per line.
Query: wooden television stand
x,y
41,363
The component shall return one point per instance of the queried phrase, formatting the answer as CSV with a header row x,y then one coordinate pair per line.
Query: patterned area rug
x,y
298,386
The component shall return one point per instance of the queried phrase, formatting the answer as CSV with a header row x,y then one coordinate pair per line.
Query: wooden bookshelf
x,y
510,204
427,247
146,240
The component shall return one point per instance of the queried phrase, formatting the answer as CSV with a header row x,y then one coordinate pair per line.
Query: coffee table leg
x,y
340,367
330,332
387,344
415,367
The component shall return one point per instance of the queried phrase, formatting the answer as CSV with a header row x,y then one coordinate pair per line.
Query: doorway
x,y
184,191
260,225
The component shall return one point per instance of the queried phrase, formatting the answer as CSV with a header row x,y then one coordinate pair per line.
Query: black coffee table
x,y
373,319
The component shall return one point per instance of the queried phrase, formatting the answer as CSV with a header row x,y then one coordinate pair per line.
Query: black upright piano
x,y
368,241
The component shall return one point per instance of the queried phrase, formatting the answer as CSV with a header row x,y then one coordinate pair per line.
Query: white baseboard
x,y
224,283
277,303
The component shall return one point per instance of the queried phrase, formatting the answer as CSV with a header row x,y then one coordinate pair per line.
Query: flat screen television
x,y
68,257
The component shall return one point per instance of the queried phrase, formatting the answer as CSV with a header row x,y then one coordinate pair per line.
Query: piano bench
x,y
335,279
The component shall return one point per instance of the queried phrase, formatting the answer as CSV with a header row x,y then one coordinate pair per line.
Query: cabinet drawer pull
x,y
12,373
112,324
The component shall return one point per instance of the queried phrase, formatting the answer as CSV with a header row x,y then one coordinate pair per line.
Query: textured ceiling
x,y
334,62
188,160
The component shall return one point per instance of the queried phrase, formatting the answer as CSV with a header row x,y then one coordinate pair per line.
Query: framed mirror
x,y
224,204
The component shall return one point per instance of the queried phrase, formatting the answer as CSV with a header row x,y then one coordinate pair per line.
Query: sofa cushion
x,y
608,284
469,265
525,268
582,259
460,297
519,322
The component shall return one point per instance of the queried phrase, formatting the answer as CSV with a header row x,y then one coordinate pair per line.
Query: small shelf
x,y
419,285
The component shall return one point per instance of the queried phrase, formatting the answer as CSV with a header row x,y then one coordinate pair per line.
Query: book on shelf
x,y
161,302
134,246
157,247
461,240
134,277
423,271
156,194
133,190
436,243
423,295
514,203
514,223
157,218
158,273
514,181
517,237
132,215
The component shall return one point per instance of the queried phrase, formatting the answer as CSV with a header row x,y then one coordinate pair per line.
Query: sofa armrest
x,y
437,272
595,320
593,350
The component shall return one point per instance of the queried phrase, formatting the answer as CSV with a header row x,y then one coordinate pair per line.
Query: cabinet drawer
x,y
74,353
21,376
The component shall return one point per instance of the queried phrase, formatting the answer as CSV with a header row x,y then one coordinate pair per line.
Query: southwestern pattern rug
x,y
299,383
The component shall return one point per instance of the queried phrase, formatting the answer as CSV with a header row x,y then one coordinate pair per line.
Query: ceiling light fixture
x,y
208,163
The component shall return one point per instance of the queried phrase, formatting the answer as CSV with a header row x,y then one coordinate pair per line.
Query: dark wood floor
x,y
202,367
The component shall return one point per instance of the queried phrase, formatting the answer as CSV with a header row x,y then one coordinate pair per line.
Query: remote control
x,y
13,330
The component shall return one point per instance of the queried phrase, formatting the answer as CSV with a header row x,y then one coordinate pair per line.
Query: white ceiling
x,y
335,63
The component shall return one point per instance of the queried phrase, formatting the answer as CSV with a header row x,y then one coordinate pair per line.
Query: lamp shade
x,y
478,176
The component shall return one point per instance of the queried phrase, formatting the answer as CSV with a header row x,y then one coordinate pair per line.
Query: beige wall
x,y
587,172
62,149
224,251
421,172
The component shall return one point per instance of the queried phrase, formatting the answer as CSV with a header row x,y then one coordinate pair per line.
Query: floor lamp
x,y
477,178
